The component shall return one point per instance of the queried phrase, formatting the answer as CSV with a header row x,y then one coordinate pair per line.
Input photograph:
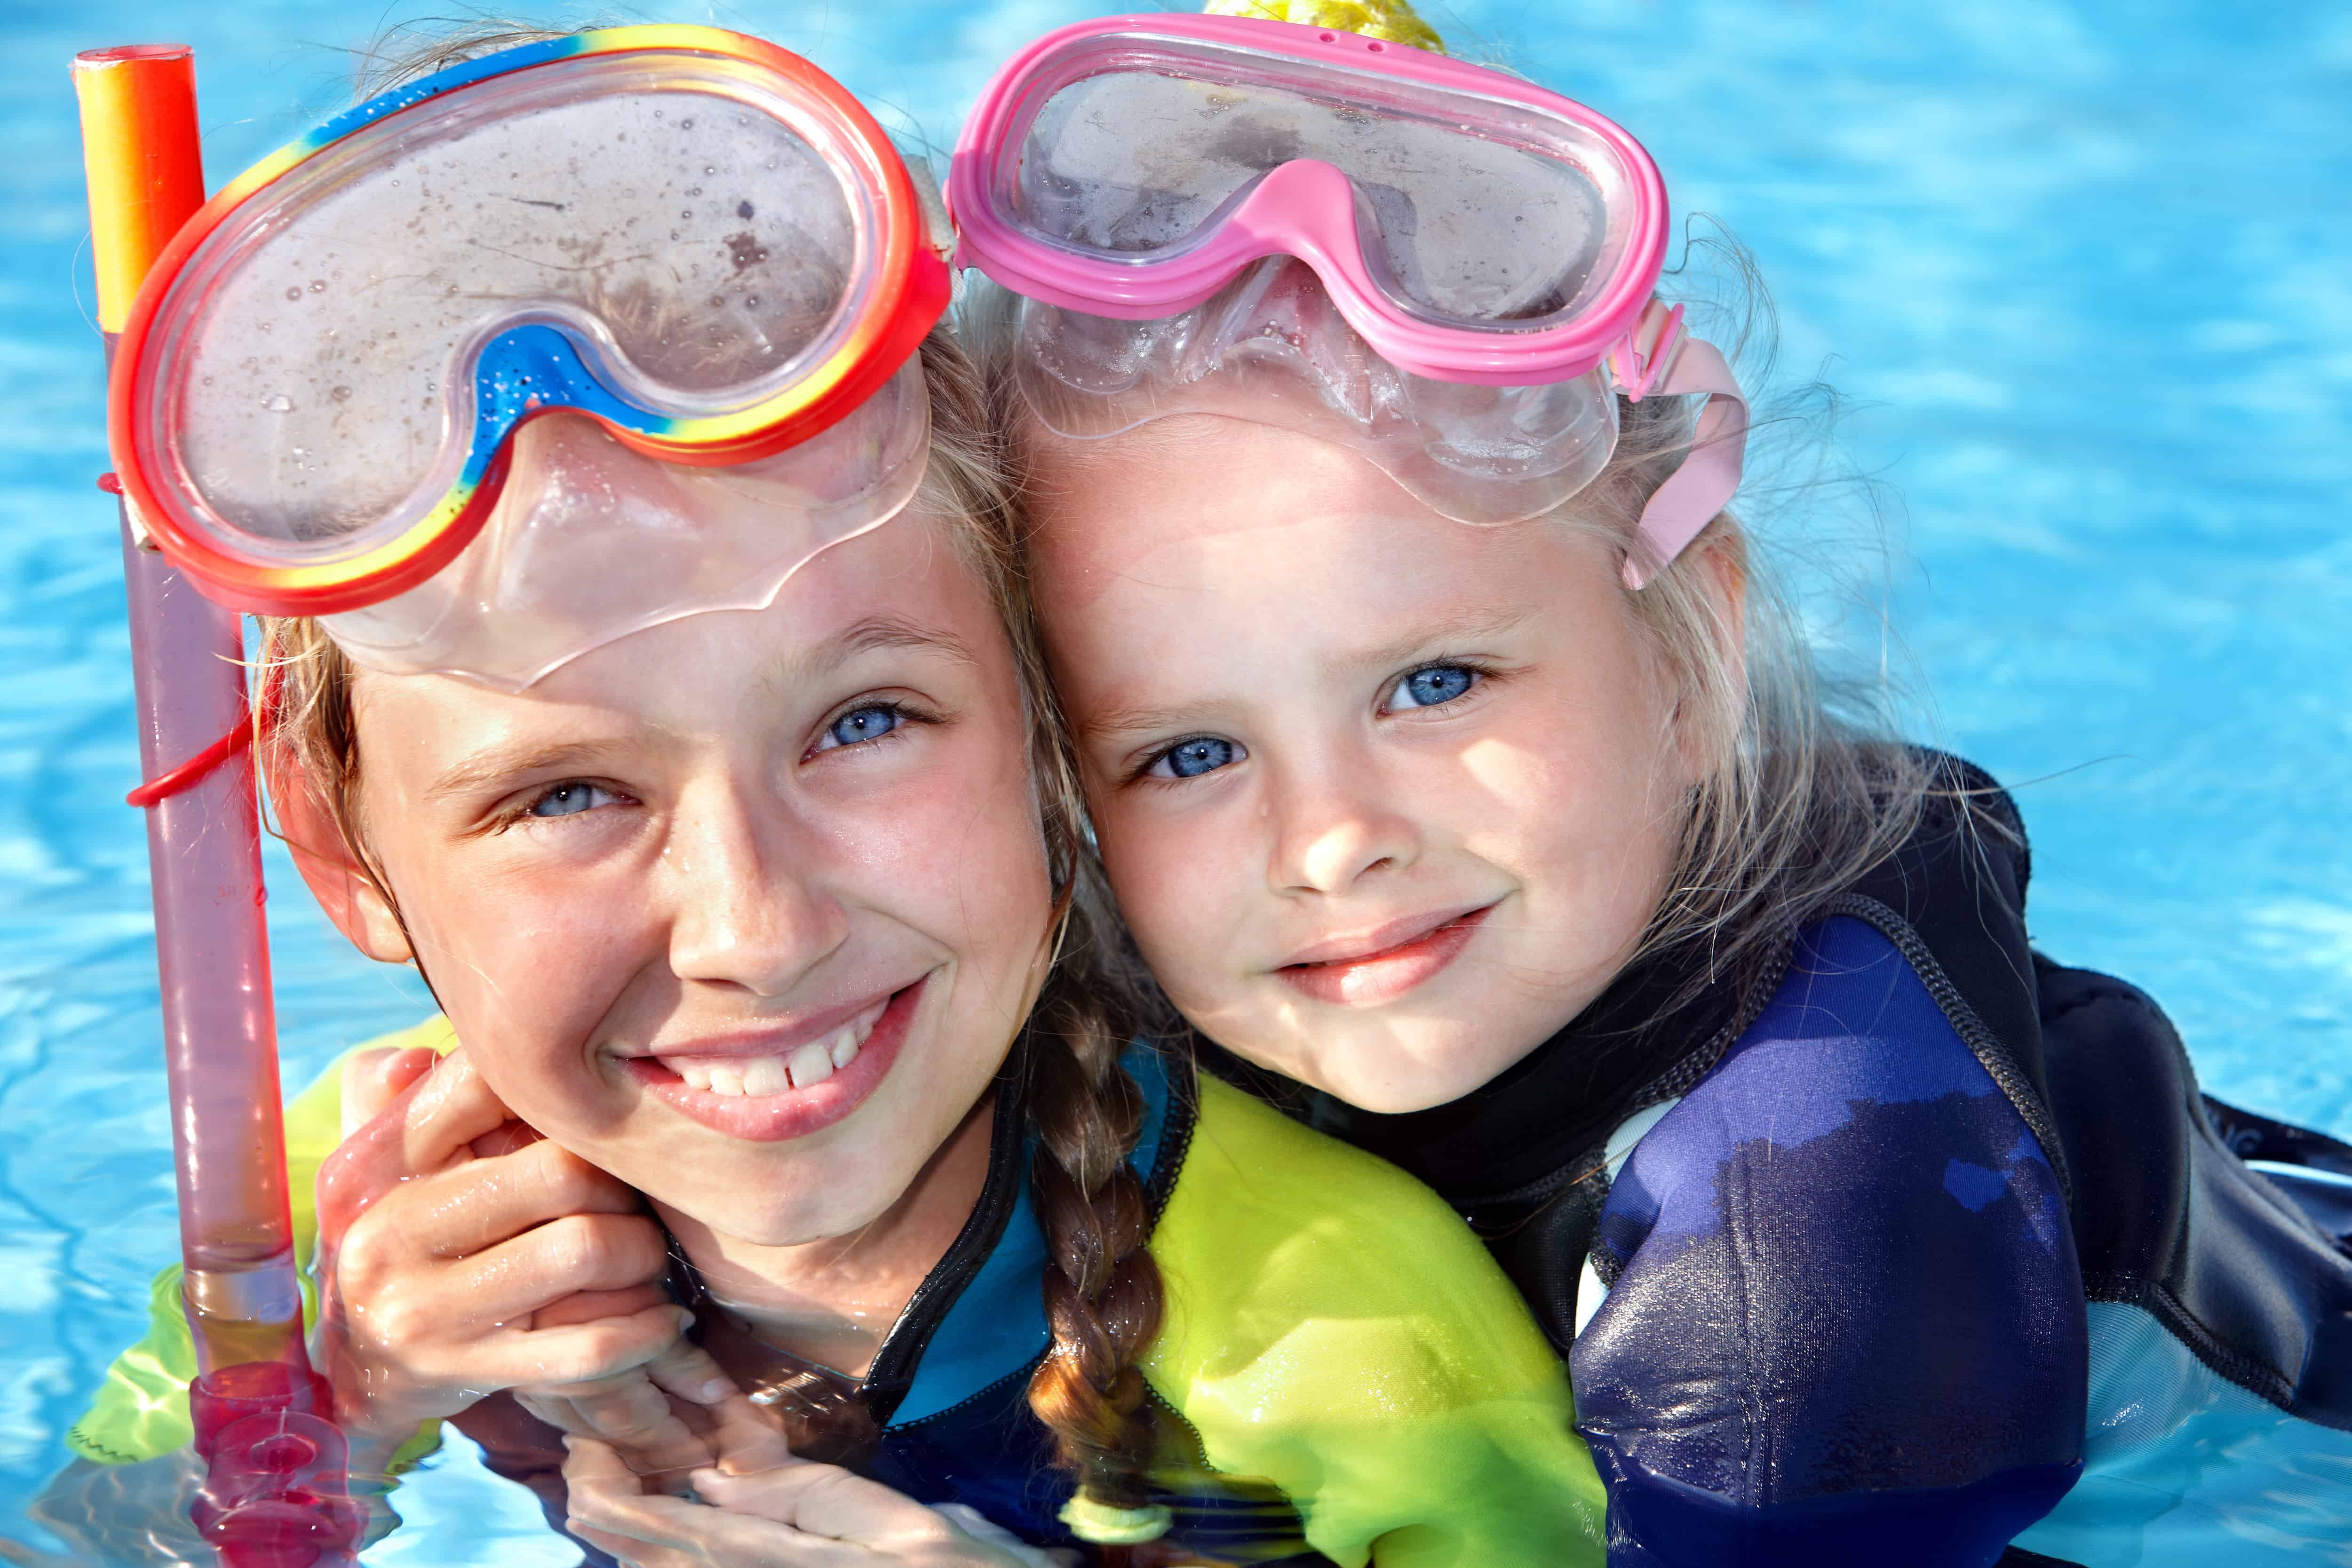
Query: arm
x,y
1334,1328
1844,1320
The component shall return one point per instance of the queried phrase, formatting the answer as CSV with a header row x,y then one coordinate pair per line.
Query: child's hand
x,y
788,1514
445,1230
677,1413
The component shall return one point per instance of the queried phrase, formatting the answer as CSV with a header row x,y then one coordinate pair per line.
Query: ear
x,y
331,867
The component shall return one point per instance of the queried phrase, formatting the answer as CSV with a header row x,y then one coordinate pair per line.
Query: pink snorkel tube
x,y
274,1494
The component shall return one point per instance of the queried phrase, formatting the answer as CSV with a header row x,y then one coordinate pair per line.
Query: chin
x,y
1403,1081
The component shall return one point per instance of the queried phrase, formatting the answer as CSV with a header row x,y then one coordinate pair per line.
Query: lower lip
x,y
796,1112
1385,975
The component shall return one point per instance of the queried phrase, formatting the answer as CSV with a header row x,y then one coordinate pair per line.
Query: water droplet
x,y
453,290
688,213
718,302
208,381
673,234
341,395
687,124
282,404
752,301
293,293
711,168
694,190
318,285
656,114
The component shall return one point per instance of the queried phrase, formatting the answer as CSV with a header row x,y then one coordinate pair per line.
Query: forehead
x,y
904,583
1221,518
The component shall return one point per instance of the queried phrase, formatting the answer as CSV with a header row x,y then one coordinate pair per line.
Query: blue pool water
x,y
2081,269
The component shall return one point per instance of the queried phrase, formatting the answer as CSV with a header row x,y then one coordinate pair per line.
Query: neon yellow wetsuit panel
x,y
1415,1414
141,1409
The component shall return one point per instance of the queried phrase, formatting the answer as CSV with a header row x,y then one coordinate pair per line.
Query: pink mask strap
x,y
1702,487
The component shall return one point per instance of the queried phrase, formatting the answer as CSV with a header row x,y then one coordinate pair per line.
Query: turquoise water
x,y
2082,269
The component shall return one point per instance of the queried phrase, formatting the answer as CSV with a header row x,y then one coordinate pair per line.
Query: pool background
x,y
2082,270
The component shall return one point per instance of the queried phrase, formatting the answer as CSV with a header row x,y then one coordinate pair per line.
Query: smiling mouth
x,y
772,1096
804,1066
1383,973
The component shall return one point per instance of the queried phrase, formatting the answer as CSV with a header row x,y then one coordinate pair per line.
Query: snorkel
x,y
274,1493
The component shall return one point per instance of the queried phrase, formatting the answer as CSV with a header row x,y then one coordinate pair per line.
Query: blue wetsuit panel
x,y
1844,1321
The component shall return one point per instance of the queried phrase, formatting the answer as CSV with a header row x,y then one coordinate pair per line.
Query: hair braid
x,y
1103,1292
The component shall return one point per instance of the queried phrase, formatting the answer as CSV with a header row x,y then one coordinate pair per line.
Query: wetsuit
x,y
1907,1239
1343,1376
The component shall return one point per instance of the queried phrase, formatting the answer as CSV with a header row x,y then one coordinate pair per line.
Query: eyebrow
x,y
872,635
497,765
1469,628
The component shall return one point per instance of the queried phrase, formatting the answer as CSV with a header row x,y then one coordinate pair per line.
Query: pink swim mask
x,y
1441,265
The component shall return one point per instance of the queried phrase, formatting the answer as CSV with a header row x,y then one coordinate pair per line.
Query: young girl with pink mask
x,y
1465,788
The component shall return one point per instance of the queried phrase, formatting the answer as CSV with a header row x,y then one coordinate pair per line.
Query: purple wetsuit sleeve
x,y
1844,1321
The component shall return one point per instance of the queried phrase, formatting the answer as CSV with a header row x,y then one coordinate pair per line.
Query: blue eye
x,y
570,798
1432,686
870,722
1190,759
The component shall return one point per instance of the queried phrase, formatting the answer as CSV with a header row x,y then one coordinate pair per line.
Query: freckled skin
x,y
1224,579
732,869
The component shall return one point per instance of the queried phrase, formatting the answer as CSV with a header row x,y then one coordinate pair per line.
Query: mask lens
x,y
686,237
1469,211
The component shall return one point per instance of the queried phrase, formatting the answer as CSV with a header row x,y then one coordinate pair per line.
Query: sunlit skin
x,y
1435,785
720,835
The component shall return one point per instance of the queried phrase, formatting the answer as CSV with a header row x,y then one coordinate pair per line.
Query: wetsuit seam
x,y
892,1375
1992,1054
1025,1371
2257,1378
1674,1081
1182,1116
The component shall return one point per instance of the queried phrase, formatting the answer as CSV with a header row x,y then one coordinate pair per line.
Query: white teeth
x,y
726,1080
844,1050
696,1075
765,1076
810,1064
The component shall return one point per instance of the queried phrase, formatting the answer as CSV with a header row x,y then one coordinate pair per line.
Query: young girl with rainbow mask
x,y
1449,758
639,669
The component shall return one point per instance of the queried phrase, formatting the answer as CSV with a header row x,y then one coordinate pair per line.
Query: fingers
x,y
609,1506
584,1353
632,1414
587,1306
512,1280
467,1212
826,1500
505,1139
374,1079
423,1127
744,1439
687,1370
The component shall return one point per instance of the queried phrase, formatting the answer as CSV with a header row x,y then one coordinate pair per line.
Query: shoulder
x,y
1334,1327
1265,1207
1851,1239
1860,1067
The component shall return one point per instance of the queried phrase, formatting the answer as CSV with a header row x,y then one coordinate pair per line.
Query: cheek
x,y
958,851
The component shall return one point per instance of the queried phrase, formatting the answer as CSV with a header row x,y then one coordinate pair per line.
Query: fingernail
x,y
712,1391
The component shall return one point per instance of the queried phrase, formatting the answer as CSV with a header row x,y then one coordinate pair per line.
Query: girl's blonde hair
x,y
1802,787
1103,1292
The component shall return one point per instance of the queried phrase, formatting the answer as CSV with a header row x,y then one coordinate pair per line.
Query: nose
x,y
1337,825
752,907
